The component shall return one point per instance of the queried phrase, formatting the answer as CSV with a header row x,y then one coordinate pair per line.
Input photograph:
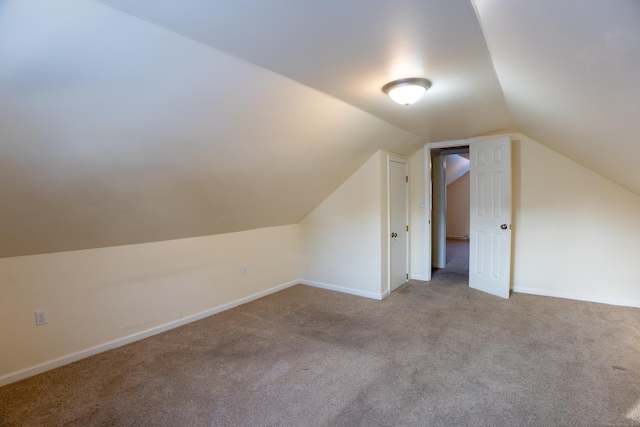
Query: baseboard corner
x,y
342,289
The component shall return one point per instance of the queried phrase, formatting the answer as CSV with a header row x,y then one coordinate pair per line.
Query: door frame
x,y
405,161
428,195
439,202
438,210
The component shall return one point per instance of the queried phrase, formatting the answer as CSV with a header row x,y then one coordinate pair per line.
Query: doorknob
x,y
503,226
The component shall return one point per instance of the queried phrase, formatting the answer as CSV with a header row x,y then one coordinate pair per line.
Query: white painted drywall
x,y
575,236
569,73
98,296
458,207
341,240
576,233
115,131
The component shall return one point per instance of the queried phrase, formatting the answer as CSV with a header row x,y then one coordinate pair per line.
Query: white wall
x,y
101,298
576,233
341,240
94,163
575,236
458,207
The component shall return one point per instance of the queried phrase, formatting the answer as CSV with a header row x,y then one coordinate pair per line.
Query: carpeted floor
x,y
457,266
431,354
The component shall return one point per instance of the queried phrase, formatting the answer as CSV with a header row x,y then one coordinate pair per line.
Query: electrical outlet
x,y
41,317
244,269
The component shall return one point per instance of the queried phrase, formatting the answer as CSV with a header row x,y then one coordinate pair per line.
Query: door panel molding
x,y
490,222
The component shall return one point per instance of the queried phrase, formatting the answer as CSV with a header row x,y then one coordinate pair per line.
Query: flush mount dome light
x,y
406,91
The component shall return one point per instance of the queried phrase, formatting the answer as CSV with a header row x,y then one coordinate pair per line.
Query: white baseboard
x,y
419,277
65,360
578,297
351,291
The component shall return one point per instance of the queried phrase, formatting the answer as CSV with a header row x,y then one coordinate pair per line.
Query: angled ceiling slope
x,y
120,128
350,49
115,131
570,74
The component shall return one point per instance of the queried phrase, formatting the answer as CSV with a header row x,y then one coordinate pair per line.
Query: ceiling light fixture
x,y
406,91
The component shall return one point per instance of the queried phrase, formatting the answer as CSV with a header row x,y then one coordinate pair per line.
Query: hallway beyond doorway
x,y
457,259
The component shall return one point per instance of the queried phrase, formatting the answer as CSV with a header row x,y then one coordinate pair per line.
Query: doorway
x,y
489,213
450,213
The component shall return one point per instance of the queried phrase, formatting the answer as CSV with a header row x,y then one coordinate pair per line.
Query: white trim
x,y
427,214
65,360
420,277
452,143
344,290
578,297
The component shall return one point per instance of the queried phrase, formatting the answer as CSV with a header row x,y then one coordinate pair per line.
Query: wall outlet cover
x,y
41,317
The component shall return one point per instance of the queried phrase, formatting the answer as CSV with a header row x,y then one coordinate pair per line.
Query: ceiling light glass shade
x,y
406,91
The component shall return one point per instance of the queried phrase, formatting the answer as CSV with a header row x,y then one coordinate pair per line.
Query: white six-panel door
x,y
490,219
398,222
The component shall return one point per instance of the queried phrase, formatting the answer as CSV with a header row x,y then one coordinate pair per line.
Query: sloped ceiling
x,y
129,121
570,72
350,49
115,131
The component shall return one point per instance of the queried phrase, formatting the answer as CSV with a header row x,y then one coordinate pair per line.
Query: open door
x,y
490,218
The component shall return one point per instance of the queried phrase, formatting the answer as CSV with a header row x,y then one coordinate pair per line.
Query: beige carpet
x,y
437,354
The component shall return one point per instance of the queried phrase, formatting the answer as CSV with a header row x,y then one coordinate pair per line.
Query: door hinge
x,y
407,178
407,228
407,276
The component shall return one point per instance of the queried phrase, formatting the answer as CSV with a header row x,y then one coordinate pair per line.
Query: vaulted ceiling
x,y
129,121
